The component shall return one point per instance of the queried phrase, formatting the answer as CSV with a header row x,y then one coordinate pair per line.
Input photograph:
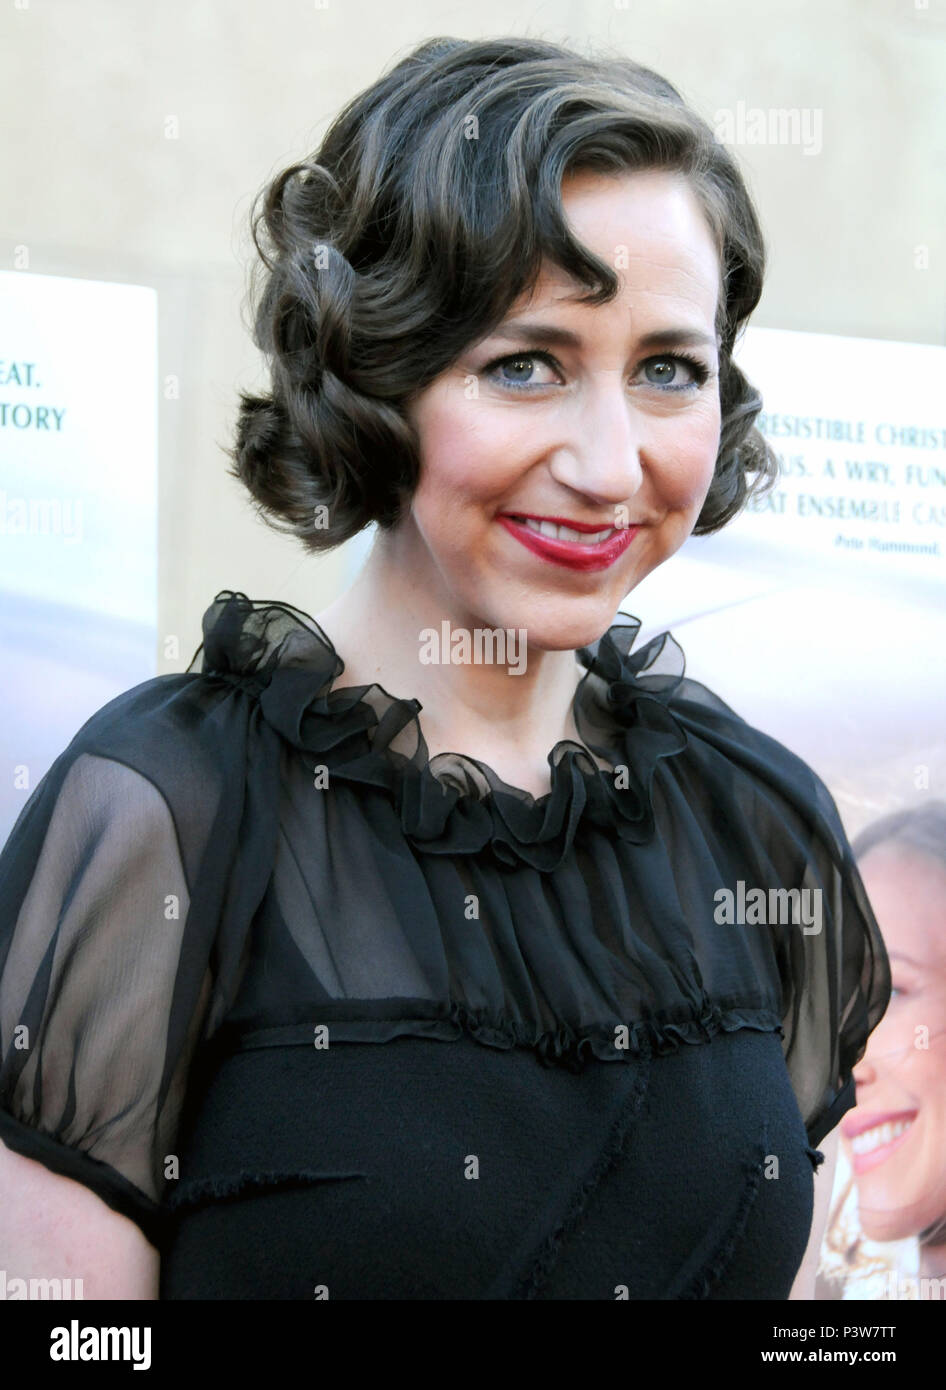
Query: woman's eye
x,y
521,368
676,372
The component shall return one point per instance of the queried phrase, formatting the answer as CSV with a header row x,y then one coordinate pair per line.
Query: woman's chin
x,y
557,625
886,1226
892,1210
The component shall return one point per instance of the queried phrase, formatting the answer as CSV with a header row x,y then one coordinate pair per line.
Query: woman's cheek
x,y
685,486
686,456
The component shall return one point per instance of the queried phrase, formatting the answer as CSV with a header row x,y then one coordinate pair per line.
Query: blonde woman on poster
x,y
886,1238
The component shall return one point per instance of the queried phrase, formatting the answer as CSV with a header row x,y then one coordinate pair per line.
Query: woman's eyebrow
x,y
898,955
549,334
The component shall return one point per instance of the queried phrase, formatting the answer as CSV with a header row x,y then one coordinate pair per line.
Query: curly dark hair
x,y
427,210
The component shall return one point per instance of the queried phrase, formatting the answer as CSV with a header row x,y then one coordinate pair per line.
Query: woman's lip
x,y
862,1163
857,1123
580,555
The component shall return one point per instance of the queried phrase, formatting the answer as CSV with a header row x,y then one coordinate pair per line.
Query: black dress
x,y
326,1017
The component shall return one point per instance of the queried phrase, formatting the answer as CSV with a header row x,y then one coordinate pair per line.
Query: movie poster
x,y
78,511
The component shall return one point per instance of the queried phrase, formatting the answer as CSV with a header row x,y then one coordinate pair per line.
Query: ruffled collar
x,y
454,803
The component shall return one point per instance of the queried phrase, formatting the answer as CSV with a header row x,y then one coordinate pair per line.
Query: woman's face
x,y
611,428
895,1138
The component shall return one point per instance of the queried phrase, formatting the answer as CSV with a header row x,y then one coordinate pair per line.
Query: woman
x,y
895,1138
288,933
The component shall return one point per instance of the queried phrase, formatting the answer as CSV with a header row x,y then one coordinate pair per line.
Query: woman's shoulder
x,y
689,732
768,797
184,731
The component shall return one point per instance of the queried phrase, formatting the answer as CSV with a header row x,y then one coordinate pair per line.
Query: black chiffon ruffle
x,y
564,1045
453,803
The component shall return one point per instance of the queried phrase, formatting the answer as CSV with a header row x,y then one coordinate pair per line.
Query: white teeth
x,y
565,533
875,1138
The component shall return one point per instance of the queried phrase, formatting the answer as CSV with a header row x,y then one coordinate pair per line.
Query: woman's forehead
x,y
907,891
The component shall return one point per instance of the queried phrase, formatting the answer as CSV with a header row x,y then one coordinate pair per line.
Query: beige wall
x,y
93,187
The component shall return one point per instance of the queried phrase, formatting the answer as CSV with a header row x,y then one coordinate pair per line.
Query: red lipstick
x,y
578,555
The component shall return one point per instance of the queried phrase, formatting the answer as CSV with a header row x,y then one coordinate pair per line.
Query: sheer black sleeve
x,y
836,981
833,968
122,911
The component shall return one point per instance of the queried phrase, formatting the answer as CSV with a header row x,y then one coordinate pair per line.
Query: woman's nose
x,y
864,1073
602,457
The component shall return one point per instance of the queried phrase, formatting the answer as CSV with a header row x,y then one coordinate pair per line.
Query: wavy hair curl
x,y
427,210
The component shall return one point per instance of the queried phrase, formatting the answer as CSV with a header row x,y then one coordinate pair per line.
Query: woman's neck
x,y
502,701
